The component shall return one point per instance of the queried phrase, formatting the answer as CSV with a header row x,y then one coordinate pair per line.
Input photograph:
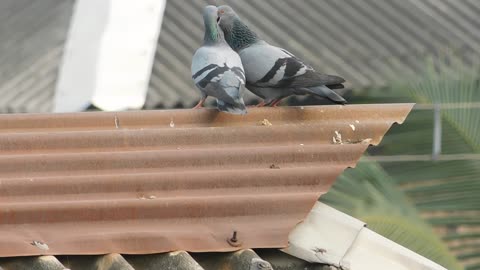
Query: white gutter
x,y
109,54
331,237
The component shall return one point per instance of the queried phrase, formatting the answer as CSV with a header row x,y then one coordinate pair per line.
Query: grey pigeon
x,y
274,73
217,70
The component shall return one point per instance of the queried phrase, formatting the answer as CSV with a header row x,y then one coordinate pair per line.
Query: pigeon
x,y
217,70
274,73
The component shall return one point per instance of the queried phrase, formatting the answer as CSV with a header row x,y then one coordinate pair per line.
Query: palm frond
x,y
445,193
452,83
368,193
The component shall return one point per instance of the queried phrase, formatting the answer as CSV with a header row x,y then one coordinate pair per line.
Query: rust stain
x,y
160,181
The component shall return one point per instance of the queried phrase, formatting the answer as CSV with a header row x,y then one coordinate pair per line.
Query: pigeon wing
x,y
273,67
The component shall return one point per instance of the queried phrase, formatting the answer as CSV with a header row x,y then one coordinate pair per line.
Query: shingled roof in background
x,y
32,36
180,260
364,41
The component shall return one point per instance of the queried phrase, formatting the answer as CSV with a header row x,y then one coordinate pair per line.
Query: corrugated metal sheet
x,y
364,41
160,181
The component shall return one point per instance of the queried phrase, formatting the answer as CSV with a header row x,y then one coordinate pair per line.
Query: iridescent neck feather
x,y
239,36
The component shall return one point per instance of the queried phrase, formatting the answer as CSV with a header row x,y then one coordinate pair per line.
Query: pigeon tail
x,y
238,108
336,86
326,92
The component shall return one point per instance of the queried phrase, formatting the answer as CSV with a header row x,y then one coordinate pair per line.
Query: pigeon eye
x,y
222,11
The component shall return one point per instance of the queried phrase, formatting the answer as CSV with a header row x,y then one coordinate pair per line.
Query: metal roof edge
x,y
329,236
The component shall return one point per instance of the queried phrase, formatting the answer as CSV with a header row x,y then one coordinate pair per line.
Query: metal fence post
x,y
437,132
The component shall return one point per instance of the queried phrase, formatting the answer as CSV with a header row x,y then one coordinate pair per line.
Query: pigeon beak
x,y
219,19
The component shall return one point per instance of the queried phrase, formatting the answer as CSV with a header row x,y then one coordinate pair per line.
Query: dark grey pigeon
x,y
274,73
217,70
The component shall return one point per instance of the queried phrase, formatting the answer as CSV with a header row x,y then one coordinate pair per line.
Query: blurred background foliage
x,y
431,206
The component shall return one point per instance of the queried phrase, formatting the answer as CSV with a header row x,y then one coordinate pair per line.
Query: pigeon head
x,y
227,18
226,12
212,32
237,33
210,12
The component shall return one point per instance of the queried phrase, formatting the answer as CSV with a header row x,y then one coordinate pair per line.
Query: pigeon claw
x,y
276,102
200,104
261,104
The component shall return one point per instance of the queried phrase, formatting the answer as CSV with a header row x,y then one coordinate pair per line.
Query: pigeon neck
x,y
240,36
212,34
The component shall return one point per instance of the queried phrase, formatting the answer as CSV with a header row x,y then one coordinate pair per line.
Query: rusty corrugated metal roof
x,y
159,181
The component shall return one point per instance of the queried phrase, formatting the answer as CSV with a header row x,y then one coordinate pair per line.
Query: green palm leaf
x,y
413,203
369,194
447,193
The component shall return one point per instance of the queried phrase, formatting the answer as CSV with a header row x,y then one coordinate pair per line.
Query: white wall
x,y
109,54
